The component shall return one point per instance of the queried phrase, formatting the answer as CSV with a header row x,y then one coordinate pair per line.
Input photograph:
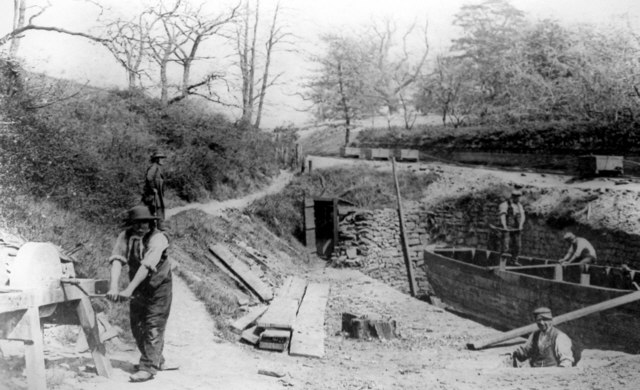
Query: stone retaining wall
x,y
371,240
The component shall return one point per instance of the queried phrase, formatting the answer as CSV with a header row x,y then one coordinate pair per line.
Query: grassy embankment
x,y
71,166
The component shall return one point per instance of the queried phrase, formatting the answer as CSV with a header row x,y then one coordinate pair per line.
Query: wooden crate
x,y
407,155
350,152
274,339
600,165
377,154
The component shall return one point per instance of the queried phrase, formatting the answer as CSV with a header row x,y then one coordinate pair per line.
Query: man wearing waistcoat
x,y
512,219
143,248
547,346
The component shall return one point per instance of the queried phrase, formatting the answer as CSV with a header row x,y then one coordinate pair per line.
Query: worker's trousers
x,y
149,311
511,243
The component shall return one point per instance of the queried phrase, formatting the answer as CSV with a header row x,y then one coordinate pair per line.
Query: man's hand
x,y
113,294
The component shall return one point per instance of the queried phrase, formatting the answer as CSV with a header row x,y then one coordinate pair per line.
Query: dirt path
x,y
216,207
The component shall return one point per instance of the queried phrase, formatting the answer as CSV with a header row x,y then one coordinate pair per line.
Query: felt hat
x,y
158,154
516,193
139,214
569,236
543,312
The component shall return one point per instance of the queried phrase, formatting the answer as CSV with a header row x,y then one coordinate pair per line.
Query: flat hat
x,y
543,312
516,193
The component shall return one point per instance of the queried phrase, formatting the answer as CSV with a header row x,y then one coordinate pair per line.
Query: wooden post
x,y
621,300
310,166
34,351
87,319
403,237
503,263
557,275
309,224
585,279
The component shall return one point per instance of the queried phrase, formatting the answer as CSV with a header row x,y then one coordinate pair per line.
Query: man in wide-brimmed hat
x,y
153,190
547,346
143,248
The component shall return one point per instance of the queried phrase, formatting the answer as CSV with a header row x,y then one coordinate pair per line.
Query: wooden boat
x,y
472,283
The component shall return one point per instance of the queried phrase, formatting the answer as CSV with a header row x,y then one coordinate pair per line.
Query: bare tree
x,y
246,41
194,28
128,41
19,27
396,73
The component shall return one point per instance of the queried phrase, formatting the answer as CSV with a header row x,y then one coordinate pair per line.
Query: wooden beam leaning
x,y
403,236
621,300
89,324
243,272
308,334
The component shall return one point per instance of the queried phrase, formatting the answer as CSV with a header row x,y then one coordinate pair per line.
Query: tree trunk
x,y
186,75
267,64
164,94
19,9
345,106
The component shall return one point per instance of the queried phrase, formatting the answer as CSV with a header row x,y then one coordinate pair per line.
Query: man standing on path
x,y
547,346
153,190
512,220
144,249
580,250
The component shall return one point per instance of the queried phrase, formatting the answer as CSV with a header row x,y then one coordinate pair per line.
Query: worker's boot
x,y
141,376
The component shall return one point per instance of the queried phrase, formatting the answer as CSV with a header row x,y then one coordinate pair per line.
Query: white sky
x,y
75,58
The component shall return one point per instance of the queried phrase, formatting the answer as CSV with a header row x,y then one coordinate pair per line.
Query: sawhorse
x,y
22,313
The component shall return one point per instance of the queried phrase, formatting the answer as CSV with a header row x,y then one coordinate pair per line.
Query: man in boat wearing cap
x,y
547,346
512,220
580,250
143,248
153,190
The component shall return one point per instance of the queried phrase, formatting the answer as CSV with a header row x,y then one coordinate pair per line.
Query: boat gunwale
x,y
497,271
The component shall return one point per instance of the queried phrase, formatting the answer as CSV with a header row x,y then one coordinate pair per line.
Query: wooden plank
x,y
294,288
251,335
22,300
242,323
281,314
242,271
308,332
89,324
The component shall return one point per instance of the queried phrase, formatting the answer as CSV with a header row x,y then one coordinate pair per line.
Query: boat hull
x,y
505,299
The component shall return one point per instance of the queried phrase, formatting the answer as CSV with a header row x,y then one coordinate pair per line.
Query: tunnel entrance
x,y
321,225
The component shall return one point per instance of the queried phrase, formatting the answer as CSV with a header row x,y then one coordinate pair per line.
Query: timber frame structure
x,y
23,311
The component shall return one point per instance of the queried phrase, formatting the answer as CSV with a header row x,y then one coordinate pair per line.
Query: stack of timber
x,y
295,318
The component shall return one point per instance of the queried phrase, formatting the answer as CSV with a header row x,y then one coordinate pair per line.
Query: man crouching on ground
x,y
547,346
144,249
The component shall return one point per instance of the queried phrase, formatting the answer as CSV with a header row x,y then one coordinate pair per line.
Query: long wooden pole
x,y
585,311
403,237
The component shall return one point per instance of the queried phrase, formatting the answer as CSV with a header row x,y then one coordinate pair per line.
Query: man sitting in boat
x,y
548,346
580,250
511,220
